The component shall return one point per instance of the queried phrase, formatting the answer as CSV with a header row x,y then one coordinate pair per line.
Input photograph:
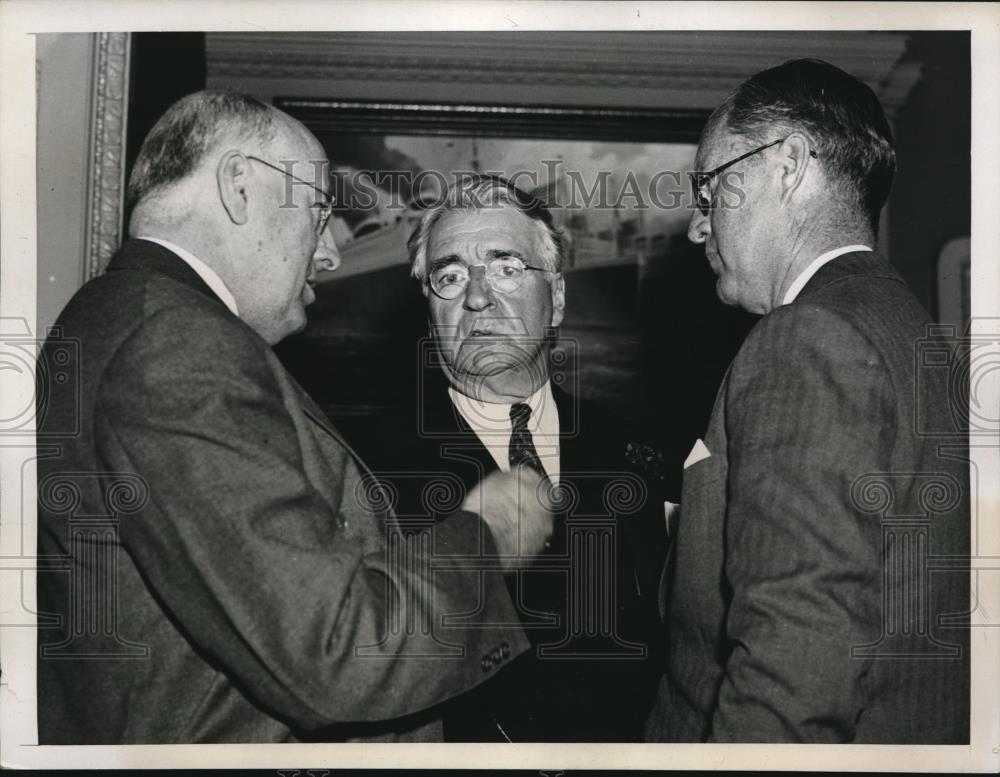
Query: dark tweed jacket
x,y
809,594
227,573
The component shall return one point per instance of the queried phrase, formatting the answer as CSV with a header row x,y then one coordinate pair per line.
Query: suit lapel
x,y
150,257
579,448
866,263
313,412
448,434
465,443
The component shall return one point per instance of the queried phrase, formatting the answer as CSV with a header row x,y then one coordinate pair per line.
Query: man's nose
x,y
478,293
700,227
326,257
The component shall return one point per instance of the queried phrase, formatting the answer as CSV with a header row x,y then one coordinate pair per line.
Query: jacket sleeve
x,y
257,568
808,411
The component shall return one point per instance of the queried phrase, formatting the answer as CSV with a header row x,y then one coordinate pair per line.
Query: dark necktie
x,y
522,447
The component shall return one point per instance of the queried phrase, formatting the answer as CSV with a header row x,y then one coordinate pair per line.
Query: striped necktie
x,y
522,447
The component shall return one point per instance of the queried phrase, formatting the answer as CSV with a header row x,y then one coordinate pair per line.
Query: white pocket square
x,y
669,508
698,452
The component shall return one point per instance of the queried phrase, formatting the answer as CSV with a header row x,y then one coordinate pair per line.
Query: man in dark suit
x,y
223,569
488,259
815,591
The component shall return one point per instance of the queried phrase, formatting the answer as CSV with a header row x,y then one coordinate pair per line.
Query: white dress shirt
x,y
491,423
206,273
799,283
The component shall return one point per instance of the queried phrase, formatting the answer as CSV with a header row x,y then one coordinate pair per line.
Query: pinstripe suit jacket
x,y
224,572
809,597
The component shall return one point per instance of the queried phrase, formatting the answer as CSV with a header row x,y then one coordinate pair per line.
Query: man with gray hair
x,y
492,325
225,572
801,604
489,261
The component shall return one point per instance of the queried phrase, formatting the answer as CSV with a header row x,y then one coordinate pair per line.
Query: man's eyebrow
x,y
504,253
493,253
444,261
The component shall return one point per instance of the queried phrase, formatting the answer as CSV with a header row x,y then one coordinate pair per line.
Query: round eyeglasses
x,y
503,274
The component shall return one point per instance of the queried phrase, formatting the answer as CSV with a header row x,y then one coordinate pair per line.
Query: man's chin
x,y
293,323
493,355
726,295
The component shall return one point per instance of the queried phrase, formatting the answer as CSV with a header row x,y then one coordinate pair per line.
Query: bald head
x,y
186,134
243,187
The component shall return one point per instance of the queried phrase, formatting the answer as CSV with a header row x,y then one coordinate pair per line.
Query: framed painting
x,y
643,333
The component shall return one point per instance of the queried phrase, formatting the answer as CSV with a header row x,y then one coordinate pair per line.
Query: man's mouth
x,y
486,336
496,329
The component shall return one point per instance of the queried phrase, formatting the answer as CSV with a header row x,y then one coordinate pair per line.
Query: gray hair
x,y
190,128
479,192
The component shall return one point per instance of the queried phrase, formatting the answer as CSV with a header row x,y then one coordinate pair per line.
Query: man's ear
x,y
558,288
232,177
796,155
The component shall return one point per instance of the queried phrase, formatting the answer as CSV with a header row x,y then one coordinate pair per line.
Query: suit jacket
x,y
592,621
814,592
220,563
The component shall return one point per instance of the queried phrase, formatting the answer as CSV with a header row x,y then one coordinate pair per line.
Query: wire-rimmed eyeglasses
x,y
701,182
325,208
503,274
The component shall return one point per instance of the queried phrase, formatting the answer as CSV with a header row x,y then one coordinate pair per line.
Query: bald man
x,y
222,568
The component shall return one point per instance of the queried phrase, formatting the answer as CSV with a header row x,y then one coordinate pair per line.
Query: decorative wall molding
x,y
108,124
691,69
388,118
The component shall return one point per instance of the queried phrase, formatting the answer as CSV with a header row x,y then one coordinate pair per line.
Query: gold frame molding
x,y
108,126
678,70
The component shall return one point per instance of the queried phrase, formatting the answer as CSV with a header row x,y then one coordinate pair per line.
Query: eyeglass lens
x,y
503,275
701,186
325,211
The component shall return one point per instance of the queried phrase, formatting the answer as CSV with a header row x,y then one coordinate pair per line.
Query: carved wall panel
x,y
108,123
655,69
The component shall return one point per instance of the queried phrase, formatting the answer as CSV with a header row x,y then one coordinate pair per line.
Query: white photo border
x,y
21,19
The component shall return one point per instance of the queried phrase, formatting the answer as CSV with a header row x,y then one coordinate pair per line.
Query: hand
x,y
516,508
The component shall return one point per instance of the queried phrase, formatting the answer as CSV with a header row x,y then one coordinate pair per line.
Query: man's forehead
x,y
716,147
488,224
294,143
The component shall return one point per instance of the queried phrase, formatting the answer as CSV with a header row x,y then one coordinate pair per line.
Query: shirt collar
x,y
206,273
806,275
486,417
491,423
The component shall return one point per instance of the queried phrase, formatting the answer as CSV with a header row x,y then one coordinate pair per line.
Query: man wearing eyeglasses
x,y
816,590
488,259
226,571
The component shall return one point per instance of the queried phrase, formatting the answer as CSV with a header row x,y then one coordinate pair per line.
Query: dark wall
x,y
931,197
164,68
